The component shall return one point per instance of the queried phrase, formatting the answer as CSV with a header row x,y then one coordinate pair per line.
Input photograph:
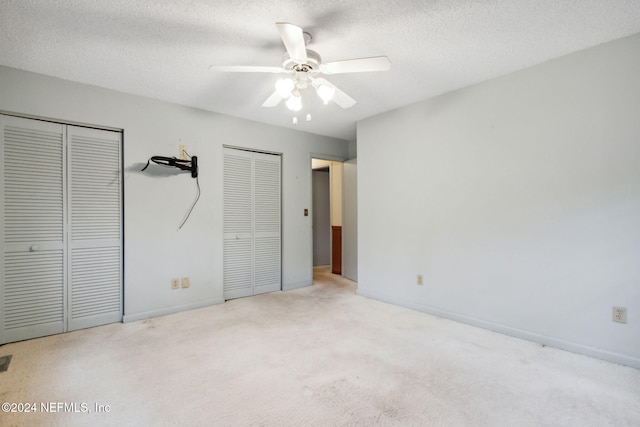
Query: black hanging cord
x,y
193,205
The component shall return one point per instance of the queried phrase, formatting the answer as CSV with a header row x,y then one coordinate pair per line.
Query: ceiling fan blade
x,y
273,100
339,97
245,69
376,63
342,99
293,39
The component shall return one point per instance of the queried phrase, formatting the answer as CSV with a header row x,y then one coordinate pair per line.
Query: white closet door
x,y
238,230
60,202
32,229
95,224
267,265
252,253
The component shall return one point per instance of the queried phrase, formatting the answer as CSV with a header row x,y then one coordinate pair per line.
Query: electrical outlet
x,y
182,152
175,283
420,280
620,314
185,282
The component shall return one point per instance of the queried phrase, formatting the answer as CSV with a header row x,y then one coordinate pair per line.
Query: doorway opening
x,y
327,214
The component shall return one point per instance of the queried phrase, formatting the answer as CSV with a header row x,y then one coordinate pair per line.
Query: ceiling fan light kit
x,y
325,93
289,88
284,87
304,66
294,103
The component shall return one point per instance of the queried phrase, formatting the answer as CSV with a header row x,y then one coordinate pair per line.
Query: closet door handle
x,y
34,248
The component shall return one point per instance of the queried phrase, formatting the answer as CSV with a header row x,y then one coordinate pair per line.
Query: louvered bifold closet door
x,y
32,229
95,224
252,253
267,264
238,239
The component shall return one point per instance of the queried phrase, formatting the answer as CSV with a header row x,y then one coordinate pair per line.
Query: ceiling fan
x,y
304,67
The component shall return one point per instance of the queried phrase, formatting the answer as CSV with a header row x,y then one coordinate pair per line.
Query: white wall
x,y
336,193
350,220
353,150
321,217
336,183
154,206
519,201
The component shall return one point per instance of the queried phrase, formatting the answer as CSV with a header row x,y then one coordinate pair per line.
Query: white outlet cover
x,y
619,314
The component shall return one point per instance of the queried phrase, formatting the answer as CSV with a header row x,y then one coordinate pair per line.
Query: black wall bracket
x,y
187,165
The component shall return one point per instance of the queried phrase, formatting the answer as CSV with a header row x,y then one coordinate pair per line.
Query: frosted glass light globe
x,y
284,87
325,92
294,103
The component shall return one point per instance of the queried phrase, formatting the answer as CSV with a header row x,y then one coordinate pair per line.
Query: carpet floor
x,y
317,356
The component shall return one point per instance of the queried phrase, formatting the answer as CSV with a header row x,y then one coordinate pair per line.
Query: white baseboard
x,y
163,312
506,330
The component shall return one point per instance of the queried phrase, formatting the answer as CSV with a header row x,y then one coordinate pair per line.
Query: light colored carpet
x,y
318,356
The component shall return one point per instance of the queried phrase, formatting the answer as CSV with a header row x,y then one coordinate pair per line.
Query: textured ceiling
x,y
162,48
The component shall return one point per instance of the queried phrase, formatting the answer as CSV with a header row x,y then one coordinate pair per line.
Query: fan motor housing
x,y
312,66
